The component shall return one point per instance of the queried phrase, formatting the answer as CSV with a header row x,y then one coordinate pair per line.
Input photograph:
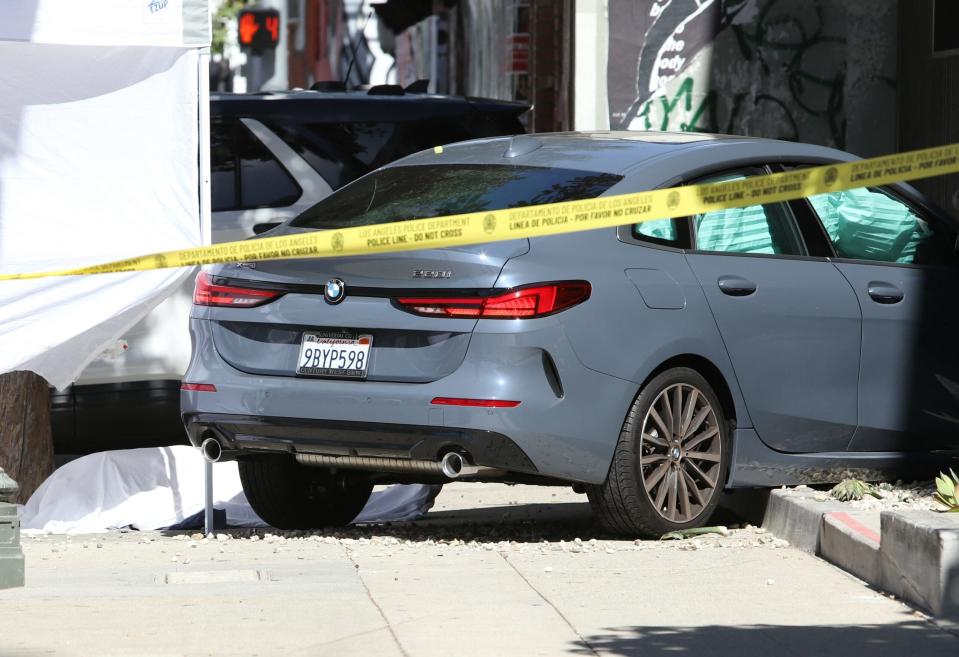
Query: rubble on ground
x,y
898,496
545,539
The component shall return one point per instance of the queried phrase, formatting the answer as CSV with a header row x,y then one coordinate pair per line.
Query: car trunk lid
x,y
406,347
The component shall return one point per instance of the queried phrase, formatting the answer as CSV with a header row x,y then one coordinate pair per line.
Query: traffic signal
x,y
259,29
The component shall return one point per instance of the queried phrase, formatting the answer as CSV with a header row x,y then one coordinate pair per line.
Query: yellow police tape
x,y
547,219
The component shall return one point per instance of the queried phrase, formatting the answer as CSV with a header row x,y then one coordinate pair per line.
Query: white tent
x,y
103,135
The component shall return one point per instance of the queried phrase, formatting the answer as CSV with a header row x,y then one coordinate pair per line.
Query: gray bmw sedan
x,y
651,365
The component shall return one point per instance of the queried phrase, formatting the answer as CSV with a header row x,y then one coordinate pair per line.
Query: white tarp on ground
x,y
99,160
160,487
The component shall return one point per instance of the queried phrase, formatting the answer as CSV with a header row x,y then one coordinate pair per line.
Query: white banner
x,y
99,159
173,23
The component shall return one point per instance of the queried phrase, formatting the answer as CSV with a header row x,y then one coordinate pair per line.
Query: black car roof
x,y
343,106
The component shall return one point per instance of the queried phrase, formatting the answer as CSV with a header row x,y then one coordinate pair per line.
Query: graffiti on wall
x,y
677,30
760,67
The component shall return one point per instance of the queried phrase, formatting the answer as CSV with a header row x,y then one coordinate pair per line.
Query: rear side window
x,y
420,192
868,224
662,231
758,229
264,183
244,173
761,229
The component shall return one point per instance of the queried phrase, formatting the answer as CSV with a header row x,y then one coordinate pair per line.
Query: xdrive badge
x,y
432,273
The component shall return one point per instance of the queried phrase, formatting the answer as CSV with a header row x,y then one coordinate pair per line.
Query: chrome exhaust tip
x,y
212,450
453,464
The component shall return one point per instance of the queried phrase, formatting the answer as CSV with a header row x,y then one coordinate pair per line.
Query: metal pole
x,y
205,230
274,72
203,137
208,498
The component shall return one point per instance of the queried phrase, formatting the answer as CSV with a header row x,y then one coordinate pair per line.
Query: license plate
x,y
335,354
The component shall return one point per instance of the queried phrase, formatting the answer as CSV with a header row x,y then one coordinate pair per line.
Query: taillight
x,y
527,302
197,387
475,403
207,293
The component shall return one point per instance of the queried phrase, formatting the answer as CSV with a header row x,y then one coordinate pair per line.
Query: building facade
x,y
867,76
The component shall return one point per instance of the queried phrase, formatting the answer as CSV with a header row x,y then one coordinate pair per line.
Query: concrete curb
x,y
914,556
849,542
920,560
797,518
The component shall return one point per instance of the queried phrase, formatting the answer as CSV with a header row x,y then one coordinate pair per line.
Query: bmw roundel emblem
x,y
335,290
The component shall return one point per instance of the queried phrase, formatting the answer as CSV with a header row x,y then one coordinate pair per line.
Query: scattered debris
x,y
695,531
894,496
543,539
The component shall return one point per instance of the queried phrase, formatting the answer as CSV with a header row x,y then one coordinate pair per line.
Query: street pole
x,y
208,498
274,69
205,233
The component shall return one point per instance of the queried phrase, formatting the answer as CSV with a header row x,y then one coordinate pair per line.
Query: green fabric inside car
x,y
868,225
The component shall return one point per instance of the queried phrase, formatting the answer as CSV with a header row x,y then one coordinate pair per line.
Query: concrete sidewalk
x,y
481,577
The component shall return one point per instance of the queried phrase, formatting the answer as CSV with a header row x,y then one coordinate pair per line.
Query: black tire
x,y
287,495
622,503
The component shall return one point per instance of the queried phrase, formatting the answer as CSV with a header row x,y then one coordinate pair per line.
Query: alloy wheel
x,y
680,453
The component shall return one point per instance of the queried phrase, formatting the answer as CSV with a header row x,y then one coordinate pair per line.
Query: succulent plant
x,y
853,489
947,490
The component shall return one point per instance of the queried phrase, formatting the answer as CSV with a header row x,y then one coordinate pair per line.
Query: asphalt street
x,y
493,571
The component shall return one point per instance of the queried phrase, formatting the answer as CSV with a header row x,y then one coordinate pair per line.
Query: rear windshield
x,y
421,192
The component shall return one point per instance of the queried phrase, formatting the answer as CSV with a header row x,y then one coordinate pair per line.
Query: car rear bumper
x,y
565,427
248,434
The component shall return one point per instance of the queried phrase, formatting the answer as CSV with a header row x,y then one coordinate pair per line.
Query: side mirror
x,y
266,226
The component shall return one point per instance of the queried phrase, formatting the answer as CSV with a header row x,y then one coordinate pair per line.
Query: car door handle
x,y
884,292
735,286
